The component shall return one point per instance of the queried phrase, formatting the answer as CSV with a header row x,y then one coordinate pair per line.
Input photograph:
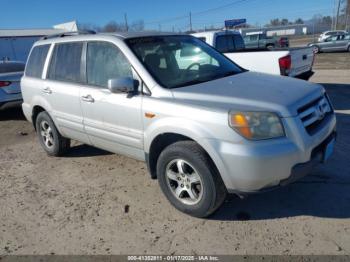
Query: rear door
x,y
113,121
342,42
62,89
251,41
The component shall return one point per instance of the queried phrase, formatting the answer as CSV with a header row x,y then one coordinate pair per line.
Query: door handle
x,y
88,98
47,90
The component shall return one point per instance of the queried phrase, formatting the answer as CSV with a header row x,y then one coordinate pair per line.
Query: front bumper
x,y
255,166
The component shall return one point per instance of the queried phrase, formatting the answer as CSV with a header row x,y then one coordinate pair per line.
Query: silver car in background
x,y
333,44
10,89
328,34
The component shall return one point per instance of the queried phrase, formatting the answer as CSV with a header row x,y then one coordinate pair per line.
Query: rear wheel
x,y
189,179
270,47
50,139
316,49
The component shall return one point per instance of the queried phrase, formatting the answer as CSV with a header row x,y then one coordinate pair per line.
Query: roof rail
x,y
79,32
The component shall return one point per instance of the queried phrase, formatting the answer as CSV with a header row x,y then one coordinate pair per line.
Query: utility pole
x,y
159,27
190,22
126,22
337,17
333,14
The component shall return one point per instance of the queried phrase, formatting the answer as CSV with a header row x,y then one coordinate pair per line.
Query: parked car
x,y
10,90
332,43
283,42
294,62
260,41
204,129
327,34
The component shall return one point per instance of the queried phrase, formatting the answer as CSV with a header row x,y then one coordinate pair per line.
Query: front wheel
x,y
50,139
189,179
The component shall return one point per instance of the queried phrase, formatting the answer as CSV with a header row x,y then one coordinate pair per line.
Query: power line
x,y
181,17
219,7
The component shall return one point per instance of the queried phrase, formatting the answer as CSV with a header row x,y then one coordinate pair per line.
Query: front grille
x,y
315,113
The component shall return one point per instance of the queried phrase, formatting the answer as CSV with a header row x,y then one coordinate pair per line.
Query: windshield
x,y
177,61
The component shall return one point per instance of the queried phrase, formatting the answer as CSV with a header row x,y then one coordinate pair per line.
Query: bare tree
x,y
138,25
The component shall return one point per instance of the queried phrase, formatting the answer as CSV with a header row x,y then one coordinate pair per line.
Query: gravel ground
x,y
94,202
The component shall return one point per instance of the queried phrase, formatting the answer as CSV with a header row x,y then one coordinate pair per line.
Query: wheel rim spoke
x,y
191,194
44,126
172,175
179,191
47,142
194,178
179,164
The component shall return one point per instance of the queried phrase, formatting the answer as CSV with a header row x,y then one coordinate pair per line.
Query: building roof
x,y
60,28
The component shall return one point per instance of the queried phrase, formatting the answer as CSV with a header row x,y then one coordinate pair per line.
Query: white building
x,y
15,44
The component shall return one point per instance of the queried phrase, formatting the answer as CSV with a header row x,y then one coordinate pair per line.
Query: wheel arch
x,y
162,140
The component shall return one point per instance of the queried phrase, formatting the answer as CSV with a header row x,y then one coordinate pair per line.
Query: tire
x,y
208,193
270,47
316,49
349,48
50,139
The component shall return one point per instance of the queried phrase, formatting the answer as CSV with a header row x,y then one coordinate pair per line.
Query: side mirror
x,y
123,85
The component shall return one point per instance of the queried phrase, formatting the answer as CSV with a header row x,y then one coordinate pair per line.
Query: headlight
x,y
256,125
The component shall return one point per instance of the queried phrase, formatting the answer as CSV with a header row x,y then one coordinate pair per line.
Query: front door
x,y
112,121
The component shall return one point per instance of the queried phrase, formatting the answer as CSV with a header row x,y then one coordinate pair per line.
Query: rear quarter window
x,y
65,64
229,43
36,61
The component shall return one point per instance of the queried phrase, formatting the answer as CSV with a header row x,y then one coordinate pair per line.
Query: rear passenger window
x,y
224,43
65,62
105,61
238,42
36,61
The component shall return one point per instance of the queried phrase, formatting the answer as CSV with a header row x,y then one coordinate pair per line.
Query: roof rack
x,y
79,32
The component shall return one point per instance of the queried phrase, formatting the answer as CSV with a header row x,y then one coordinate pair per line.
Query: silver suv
x,y
204,126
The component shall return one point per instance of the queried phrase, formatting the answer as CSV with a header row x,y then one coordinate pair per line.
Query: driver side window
x,y
105,61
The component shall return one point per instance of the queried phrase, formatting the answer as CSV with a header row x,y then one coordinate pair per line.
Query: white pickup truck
x,y
294,62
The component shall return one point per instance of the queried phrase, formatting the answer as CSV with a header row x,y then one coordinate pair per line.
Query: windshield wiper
x,y
192,82
229,73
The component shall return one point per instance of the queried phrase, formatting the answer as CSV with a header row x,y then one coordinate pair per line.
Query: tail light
x,y
285,65
280,41
4,83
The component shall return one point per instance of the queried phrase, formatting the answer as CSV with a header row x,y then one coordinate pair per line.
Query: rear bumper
x,y
9,100
306,75
10,104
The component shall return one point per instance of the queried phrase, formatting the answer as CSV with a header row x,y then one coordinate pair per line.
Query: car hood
x,y
251,91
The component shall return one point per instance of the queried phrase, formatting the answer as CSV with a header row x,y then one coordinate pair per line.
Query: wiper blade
x,y
192,82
